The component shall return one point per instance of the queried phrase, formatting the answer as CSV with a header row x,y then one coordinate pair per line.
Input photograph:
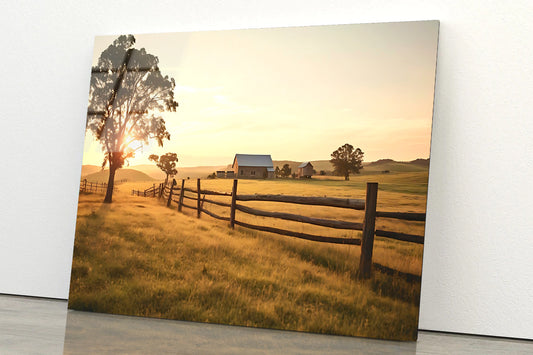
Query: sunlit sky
x,y
295,93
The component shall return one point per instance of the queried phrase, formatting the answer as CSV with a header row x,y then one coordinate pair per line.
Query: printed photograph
x,y
273,178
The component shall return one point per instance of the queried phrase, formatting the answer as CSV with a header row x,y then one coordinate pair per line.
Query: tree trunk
x,y
110,183
347,177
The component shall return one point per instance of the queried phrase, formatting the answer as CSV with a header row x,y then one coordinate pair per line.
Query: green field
x,y
138,257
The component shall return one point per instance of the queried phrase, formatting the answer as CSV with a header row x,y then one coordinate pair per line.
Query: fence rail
x,y
298,218
149,192
305,200
299,235
406,216
170,191
96,187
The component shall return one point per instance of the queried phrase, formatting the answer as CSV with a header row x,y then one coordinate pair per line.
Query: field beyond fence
x,y
176,193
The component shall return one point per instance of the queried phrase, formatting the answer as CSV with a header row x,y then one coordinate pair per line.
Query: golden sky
x,y
296,93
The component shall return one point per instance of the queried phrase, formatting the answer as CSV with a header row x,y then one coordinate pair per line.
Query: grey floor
x,y
41,326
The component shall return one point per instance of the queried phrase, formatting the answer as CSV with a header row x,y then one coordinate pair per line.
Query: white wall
x,y
478,271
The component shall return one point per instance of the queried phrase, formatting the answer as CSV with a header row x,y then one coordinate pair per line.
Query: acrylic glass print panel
x,y
271,178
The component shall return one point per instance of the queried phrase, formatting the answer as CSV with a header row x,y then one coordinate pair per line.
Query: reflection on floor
x,y
41,326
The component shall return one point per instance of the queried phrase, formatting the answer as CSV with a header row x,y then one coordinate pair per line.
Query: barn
x,y
305,170
253,166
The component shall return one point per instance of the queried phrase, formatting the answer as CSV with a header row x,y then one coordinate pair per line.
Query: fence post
x,y
180,203
153,186
369,224
198,201
85,185
233,203
170,192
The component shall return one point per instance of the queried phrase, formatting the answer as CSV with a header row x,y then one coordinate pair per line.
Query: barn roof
x,y
255,160
304,164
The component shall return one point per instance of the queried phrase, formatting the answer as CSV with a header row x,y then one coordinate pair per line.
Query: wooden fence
x,y
172,193
153,191
96,187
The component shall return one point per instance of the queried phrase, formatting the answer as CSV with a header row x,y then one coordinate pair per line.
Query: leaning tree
x,y
167,163
347,160
128,93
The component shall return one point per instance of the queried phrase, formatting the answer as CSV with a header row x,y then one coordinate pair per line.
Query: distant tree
x,y
322,172
277,172
346,160
167,163
286,171
212,176
126,95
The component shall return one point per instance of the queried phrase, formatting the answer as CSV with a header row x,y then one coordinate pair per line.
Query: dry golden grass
x,y
405,257
138,257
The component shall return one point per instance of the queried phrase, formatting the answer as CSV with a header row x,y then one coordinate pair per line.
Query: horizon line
x,y
295,161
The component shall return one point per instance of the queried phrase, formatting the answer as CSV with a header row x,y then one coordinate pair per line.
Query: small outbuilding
x,y
221,174
253,166
305,170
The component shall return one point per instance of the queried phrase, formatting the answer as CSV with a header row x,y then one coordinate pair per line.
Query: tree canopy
x,y
166,162
126,98
277,172
347,160
286,170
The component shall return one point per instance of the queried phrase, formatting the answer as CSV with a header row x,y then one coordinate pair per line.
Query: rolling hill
x,y
371,167
151,170
122,174
147,172
198,171
183,172
89,169
396,166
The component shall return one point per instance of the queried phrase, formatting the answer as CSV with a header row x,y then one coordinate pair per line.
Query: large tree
x,y
286,170
167,163
126,98
347,160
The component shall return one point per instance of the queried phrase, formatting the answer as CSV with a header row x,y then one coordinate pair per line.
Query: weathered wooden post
x,y
233,203
369,225
85,185
198,201
153,187
170,192
182,191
